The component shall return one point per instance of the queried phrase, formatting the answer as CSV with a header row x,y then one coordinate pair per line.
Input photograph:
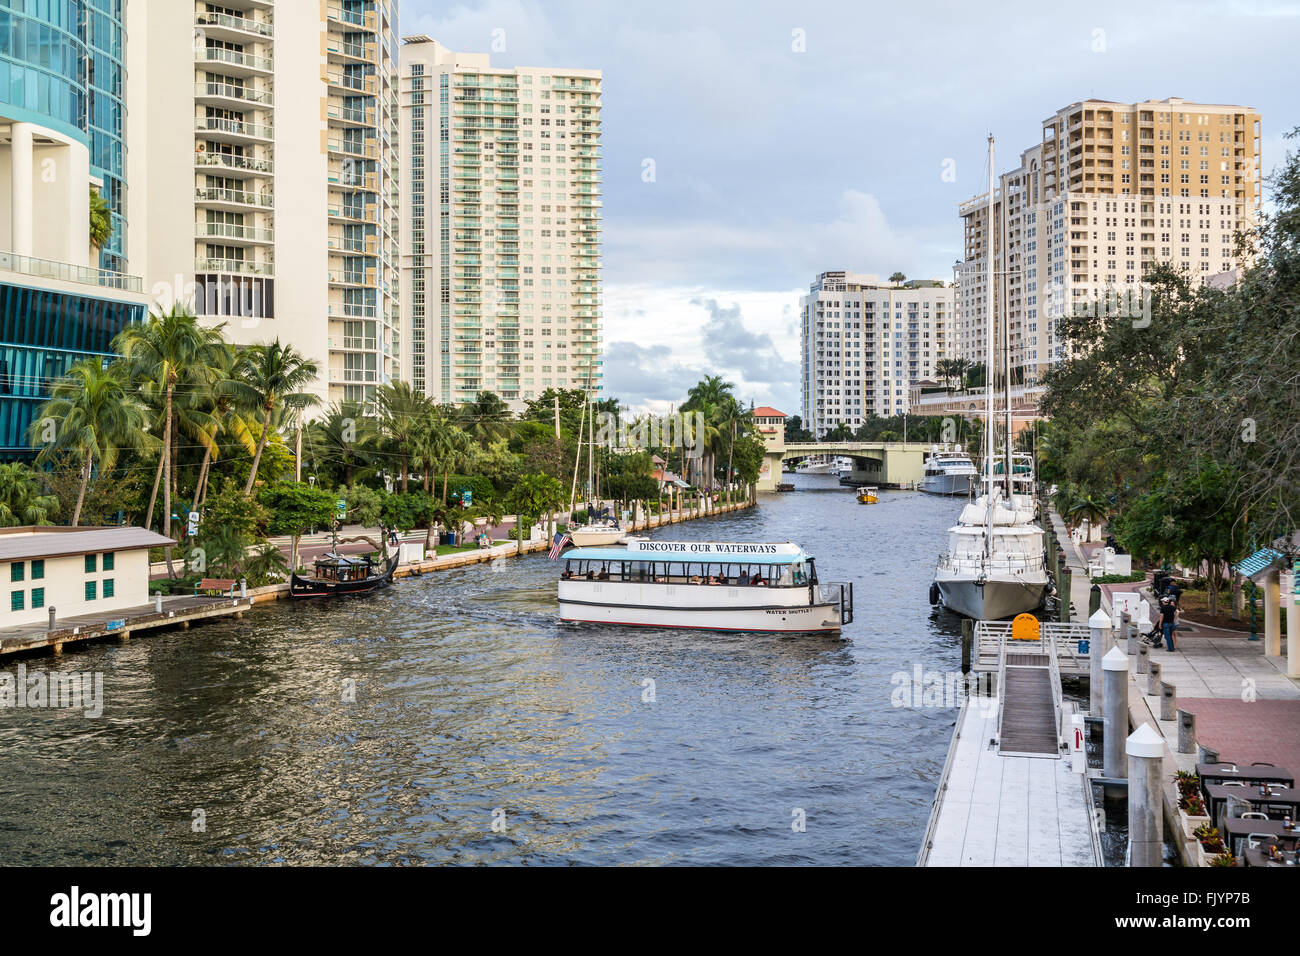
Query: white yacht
x,y
598,533
816,466
995,565
715,586
949,473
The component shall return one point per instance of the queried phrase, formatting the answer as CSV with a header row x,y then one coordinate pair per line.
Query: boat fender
x,y
934,592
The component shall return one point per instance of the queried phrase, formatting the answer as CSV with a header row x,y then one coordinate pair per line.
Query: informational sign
x,y
1295,581
466,497
342,507
193,527
708,547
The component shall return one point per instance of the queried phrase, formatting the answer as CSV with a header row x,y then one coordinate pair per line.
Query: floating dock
x,y
1009,794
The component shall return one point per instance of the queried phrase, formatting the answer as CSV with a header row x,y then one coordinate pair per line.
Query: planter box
x,y
1190,823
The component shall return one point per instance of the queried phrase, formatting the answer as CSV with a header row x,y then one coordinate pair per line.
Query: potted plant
x,y
1191,807
1223,859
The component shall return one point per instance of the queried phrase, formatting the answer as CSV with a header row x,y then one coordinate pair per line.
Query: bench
x,y
224,586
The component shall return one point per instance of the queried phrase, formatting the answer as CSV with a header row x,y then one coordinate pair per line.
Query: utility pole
x,y
297,454
557,416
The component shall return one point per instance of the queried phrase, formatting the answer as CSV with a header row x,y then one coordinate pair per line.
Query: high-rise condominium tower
x,y
501,225
1111,190
864,343
62,297
266,131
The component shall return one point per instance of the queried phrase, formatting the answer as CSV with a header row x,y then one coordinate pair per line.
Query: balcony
x,y
232,131
223,26
352,84
367,150
229,94
352,116
248,267
222,198
67,272
233,62
240,167
230,230
351,20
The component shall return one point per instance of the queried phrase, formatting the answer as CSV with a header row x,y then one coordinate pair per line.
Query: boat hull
x,y
995,599
301,588
805,619
947,484
597,537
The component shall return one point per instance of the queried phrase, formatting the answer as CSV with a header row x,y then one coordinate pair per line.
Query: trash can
x,y
451,538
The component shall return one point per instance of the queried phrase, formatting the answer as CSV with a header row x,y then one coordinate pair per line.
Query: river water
x,y
451,719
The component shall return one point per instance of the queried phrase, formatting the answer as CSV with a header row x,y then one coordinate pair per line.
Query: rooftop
x,y
19,544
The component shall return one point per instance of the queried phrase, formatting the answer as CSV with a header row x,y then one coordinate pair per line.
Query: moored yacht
x,y
994,569
715,586
948,473
598,533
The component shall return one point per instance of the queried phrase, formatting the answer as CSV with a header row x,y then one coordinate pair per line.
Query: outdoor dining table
x,y
1235,830
1259,857
1217,795
1212,773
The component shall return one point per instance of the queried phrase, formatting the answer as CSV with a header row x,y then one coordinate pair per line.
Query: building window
x,y
90,564
16,600
38,598
90,590
108,561
108,587
16,571
38,569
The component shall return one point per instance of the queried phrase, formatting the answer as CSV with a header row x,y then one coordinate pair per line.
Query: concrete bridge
x,y
881,463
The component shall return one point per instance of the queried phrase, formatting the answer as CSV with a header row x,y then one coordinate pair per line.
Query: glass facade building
x,y
62,71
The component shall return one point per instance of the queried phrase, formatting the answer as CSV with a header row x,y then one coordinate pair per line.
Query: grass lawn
x,y
455,548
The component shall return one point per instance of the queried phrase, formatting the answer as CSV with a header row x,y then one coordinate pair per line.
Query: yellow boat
x,y
867,496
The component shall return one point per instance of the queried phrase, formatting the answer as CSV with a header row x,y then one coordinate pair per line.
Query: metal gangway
x,y
1069,642
1029,697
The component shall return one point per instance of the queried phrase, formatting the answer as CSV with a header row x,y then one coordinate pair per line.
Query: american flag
x,y
558,544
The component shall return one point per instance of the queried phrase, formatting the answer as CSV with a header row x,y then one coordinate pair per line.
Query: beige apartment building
x,y
1111,190
264,152
501,225
865,343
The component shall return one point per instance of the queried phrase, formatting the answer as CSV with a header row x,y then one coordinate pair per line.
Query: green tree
x,y
274,378
531,497
295,507
101,219
402,410
898,279
94,418
21,500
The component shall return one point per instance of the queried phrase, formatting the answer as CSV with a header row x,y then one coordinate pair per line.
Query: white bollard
x,y
1098,644
157,603
1114,707
1146,750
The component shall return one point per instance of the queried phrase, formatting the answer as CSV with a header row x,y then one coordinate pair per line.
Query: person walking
x,y
1168,621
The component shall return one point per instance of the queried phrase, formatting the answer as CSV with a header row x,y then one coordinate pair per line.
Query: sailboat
x,y
995,567
598,532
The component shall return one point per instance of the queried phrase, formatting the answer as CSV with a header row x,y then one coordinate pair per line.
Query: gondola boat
x,y
343,575
868,496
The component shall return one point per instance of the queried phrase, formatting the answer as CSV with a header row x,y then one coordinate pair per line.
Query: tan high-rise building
x,y
1111,190
264,145
501,225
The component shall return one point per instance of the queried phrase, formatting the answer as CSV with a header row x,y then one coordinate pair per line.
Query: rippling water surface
x,y
470,698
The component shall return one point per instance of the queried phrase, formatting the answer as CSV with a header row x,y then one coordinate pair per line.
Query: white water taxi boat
x,y
703,585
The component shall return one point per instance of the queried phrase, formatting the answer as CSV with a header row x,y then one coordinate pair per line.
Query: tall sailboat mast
x,y
1006,339
988,363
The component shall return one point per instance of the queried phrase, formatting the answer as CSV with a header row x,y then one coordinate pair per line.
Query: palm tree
x,y
21,501
166,350
487,418
101,219
345,436
227,407
273,379
898,279
96,418
401,409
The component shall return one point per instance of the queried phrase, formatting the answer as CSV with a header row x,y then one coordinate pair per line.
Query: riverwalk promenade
x,y
1245,707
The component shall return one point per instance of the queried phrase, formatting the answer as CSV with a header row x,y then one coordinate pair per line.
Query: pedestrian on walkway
x,y
1168,620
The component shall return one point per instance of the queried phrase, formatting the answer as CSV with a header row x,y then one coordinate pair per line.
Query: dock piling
x,y
1063,590
1143,658
52,617
1129,634
1146,749
1186,732
967,640
1115,711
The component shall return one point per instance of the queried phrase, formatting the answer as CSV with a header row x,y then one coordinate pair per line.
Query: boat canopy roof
x,y
710,557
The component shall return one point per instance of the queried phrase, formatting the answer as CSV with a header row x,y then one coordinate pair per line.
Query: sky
x,y
748,146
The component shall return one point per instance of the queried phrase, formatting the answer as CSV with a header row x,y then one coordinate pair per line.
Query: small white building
x,y
76,570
